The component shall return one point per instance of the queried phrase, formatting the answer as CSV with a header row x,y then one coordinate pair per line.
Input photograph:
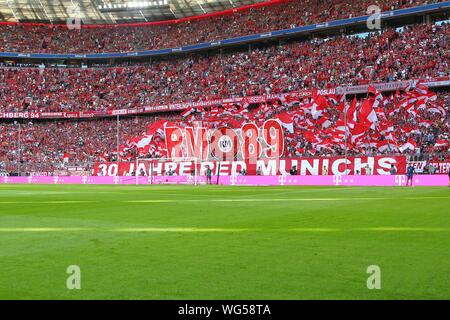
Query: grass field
x,y
186,242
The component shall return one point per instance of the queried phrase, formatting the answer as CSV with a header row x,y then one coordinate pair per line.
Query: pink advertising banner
x,y
337,180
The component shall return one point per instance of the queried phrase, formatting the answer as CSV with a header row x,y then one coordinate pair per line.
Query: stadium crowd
x,y
414,52
43,145
51,39
411,123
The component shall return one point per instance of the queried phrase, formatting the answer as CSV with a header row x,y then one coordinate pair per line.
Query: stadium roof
x,y
111,11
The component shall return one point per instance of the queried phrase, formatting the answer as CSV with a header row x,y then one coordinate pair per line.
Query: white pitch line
x,y
67,201
280,199
276,199
154,201
43,229
224,230
48,202
236,200
314,229
223,200
183,230
403,229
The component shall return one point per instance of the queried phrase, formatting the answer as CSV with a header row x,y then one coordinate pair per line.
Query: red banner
x,y
378,165
20,115
439,167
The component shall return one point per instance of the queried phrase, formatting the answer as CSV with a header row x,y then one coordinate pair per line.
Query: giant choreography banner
x,y
378,165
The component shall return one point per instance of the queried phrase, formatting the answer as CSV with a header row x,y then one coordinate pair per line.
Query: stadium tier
x,y
413,52
281,15
414,123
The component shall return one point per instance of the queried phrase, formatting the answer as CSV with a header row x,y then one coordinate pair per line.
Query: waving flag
x,y
324,122
441,143
358,131
383,146
425,123
144,141
367,113
290,100
340,126
434,108
156,127
286,120
410,144
187,112
319,103
351,112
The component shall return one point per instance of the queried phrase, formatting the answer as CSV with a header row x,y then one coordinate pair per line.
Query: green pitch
x,y
186,242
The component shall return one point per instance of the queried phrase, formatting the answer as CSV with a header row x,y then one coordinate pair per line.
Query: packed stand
x,y
44,145
416,52
48,39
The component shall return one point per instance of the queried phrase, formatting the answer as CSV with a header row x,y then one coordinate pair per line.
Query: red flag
x,y
358,131
367,113
324,122
351,111
187,112
286,121
372,90
441,143
410,144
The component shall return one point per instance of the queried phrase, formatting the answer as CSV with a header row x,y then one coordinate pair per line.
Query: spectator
x,y
431,169
293,171
392,170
